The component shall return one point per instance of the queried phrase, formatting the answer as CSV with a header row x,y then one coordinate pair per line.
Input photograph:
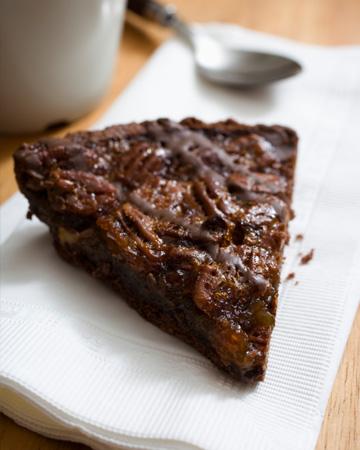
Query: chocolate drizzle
x,y
181,141
195,231
218,254
223,255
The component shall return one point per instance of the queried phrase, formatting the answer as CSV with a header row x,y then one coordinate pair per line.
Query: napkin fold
x,y
77,363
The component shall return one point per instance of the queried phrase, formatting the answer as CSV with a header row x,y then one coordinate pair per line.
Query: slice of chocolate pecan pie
x,y
186,220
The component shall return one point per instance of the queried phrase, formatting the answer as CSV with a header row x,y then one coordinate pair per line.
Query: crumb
x,y
290,276
299,237
307,258
29,214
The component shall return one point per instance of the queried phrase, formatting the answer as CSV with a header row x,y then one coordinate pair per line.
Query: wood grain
x,y
312,21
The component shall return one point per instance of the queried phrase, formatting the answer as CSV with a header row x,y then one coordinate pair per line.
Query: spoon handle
x,y
154,11
161,14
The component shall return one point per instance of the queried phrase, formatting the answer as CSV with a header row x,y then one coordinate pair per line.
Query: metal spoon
x,y
213,59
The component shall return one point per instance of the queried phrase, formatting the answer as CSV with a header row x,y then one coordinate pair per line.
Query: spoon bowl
x,y
237,67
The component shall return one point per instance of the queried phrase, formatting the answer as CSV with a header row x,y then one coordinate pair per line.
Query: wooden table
x,y
313,21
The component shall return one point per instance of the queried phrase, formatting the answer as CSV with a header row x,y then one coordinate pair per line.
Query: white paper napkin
x,y
77,363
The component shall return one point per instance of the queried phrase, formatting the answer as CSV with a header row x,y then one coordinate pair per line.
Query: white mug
x,y
56,59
